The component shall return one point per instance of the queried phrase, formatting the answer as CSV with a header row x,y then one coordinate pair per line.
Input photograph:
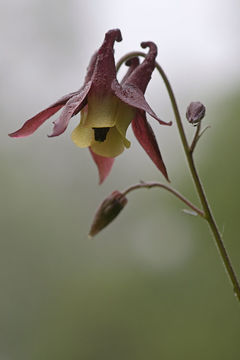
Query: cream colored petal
x,y
111,147
126,142
124,116
101,112
82,137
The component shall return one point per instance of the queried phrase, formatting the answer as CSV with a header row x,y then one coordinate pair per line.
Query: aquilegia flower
x,y
107,108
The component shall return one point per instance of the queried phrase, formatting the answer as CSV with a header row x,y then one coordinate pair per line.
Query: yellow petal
x,y
125,114
111,147
126,142
82,137
101,112
104,114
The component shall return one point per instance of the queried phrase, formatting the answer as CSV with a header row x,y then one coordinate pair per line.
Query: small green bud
x,y
195,112
107,212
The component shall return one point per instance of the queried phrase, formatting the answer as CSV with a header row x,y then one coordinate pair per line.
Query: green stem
x,y
195,138
149,185
200,190
208,215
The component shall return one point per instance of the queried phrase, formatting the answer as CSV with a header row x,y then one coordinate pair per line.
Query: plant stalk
x,y
207,213
150,185
200,190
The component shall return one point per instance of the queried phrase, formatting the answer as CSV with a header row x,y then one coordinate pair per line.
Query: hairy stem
x,y
208,215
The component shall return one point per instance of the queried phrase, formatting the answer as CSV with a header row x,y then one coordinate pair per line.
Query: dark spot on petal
x,y
100,134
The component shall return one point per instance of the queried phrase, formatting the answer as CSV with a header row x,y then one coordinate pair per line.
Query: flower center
x,y
100,134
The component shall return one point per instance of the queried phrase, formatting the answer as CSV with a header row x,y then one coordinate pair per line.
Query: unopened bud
x,y
195,112
107,212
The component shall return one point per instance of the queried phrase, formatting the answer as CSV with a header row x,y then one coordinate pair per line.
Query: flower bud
x,y
195,112
107,211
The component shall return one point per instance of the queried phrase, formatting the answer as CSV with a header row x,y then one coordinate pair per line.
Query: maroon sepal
x,y
31,125
141,76
132,64
105,69
104,165
76,102
144,133
131,91
135,98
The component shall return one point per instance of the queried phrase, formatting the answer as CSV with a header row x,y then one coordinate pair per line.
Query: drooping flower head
x,y
107,108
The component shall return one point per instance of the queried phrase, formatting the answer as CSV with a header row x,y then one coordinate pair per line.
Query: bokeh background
x,y
151,285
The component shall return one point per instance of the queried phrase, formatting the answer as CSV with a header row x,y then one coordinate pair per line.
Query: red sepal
x,y
104,165
31,125
145,135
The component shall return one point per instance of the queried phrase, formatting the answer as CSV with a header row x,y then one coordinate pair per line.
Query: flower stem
x,y
195,138
207,213
200,190
149,185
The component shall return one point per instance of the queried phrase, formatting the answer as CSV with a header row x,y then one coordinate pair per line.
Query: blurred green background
x,y
151,285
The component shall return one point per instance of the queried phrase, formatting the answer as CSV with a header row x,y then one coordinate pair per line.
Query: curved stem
x,y
149,185
128,56
196,179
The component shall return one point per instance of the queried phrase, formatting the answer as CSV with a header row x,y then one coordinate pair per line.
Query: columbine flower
x,y
107,108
